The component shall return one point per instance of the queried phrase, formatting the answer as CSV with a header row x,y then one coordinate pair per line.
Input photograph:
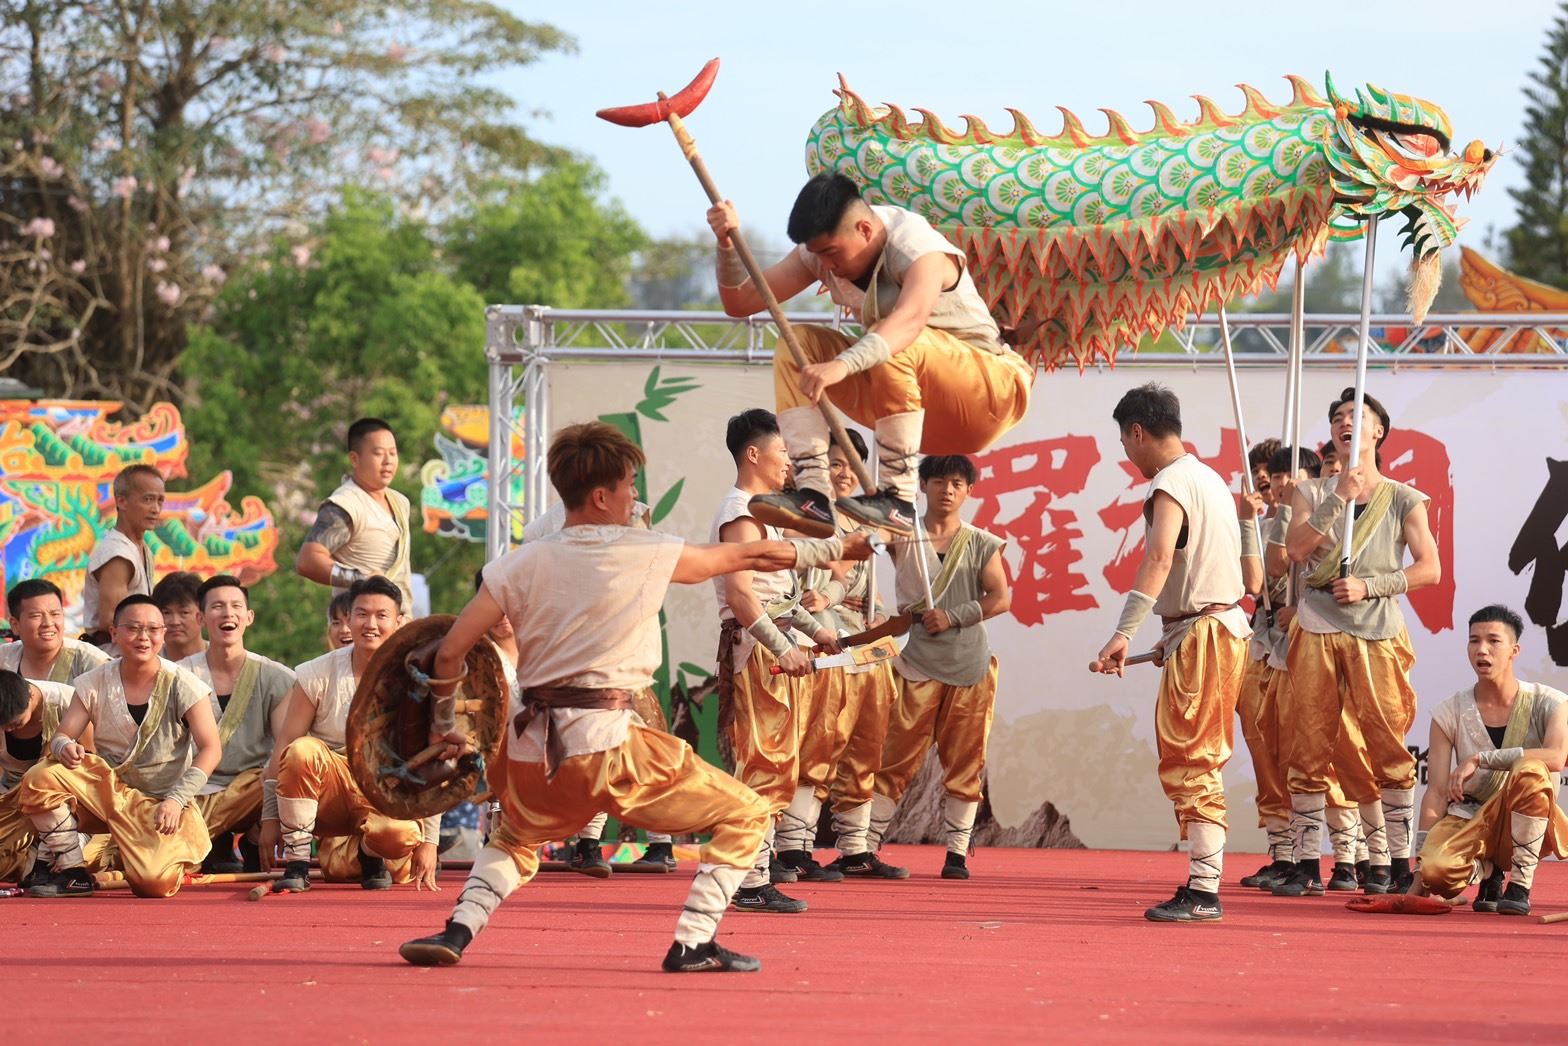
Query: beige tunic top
x,y
584,604
1384,553
328,683
74,659
151,757
57,698
774,589
1275,641
1207,566
380,540
112,545
960,311
245,726
1459,719
959,656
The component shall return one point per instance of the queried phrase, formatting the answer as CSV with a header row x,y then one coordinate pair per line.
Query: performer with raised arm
x,y
37,612
584,606
1191,576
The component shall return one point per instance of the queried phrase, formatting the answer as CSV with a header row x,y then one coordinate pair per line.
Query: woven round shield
x,y
389,726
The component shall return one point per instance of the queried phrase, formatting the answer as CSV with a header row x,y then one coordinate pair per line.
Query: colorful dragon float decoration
x,y
58,459
454,496
1083,244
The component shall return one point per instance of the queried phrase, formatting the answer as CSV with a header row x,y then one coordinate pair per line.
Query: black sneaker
x,y
1344,878
72,882
1363,869
1188,906
36,874
1270,875
1486,897
1305,881
1380,879
884,510
807,511
441,949
1515,901
806,869
1400,875
766,899
589,859
868,866
658,855
707,958
954,867
779,872
250,856
296,878
373,874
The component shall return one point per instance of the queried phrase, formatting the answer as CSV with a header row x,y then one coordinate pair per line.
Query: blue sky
x,y
780,66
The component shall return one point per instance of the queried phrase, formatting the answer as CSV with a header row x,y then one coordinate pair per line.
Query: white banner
x,y
1488,448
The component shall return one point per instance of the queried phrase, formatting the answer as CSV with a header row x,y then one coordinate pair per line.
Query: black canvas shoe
x,y
588,859
373,874
1305,881
1270,875
807,511
708,957
779,872
806,869
1400,875
1188,906
1363,869
441,949
1515,901
1486,897
1344,878
72,882
1379,880
954,867
658,855
296,878
884,510
767,899
868,866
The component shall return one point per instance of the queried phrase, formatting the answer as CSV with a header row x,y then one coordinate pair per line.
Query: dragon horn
x,y
1304,94
1333,95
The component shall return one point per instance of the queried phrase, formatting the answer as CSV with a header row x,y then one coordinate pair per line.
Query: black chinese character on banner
x,y
1537,544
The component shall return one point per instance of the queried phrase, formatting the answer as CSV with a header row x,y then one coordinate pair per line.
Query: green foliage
x,y
1538,243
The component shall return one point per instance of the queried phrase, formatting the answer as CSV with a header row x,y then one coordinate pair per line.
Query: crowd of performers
x,y
142,745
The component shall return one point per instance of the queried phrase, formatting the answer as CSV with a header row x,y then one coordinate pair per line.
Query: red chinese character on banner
x,y
1046,581
1422,461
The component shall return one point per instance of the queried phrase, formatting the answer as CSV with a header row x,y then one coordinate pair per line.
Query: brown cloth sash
x,y
1208,611
729,636
542,699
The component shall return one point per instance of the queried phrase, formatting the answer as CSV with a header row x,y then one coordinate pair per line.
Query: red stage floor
x,y
1044,944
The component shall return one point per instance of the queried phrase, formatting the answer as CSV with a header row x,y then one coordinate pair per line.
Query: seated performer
x,y
1491,796
157,742
307,789
339,634
30,710
931,374
1191,576
947,674
37,613
584,604
248,691
176,596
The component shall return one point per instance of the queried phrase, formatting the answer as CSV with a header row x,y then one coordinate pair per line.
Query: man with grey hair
x,y
120,564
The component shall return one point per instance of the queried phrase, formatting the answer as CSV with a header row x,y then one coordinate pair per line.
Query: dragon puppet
x,y
1083,244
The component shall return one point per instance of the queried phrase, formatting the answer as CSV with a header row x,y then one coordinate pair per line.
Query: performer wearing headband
x,y
157,742
1191,576
947,674
1349,651
1497,750
30,711
584,605
36,610
931,374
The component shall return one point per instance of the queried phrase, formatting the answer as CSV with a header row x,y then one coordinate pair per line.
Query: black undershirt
x,y
223,702
24,749
1496,734
138,712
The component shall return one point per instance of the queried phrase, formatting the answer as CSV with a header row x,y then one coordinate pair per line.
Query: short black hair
x,y
941,466
1153,407
364,427
1328,450
1261,452
1500,614
747,428
1349,396
821,205
341,605
857,441
16,694
32,588
1280,461
177,589
218,581
135,599
375,585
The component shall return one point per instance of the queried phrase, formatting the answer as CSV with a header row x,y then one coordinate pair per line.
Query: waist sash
x,y
540,700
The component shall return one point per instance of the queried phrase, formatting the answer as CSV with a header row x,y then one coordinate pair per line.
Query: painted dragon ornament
x,y
1083,244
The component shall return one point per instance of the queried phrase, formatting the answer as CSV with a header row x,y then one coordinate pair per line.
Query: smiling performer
x,y
37,612
584,605
1191,575
930,375
1496,752
1349,652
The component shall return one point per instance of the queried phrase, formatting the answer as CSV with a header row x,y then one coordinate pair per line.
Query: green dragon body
x,y
1082,245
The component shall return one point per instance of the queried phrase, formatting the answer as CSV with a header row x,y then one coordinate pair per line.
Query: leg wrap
x,y
1280,845
882,811
1306,826
594,829
1398,805
1363,853
798,823
852,827
493,878
1528,834
1376,833
1342,822
710,893
58,840
758,876
1205,855
805,433
958,822
898,452
655,838
297,819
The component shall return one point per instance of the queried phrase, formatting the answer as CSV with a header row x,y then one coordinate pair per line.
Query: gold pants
x,y
1454,844
956,718
338,856
236,807
311,770
1258,709
1337,677
971,397
654,780
16,837
155,865
1194,719
826,719
872,696
764,734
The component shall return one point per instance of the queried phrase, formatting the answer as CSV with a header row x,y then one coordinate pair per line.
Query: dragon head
x,y
1396,157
